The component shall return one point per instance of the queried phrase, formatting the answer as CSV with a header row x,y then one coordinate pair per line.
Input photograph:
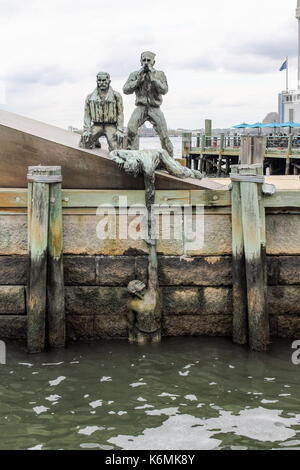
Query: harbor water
x,y
185,393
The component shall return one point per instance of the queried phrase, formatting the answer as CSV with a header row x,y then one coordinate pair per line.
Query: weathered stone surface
x,y
13,270
80,237
80,270
273,322
110,326
289,270
197,301
283,234
95,300
115,270
80,327
13,326
13,234
288,327
197,325
198,271
217,237
12,300
283,300
189,271
273,270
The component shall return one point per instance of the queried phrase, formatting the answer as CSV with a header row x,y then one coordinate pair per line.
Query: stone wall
x,y
197,286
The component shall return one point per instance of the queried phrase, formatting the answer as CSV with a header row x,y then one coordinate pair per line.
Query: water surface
x,y
187,393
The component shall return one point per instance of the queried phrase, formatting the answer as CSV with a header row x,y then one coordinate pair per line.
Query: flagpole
x,y
287,74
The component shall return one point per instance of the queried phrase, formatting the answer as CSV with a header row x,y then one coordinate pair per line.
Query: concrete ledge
x,y
12,300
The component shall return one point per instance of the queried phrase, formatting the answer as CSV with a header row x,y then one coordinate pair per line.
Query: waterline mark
x,y
296,354
2,352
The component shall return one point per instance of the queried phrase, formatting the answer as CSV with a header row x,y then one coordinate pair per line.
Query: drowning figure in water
x,y
144,306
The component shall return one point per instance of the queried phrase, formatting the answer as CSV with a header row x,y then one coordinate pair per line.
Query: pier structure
x,y
240,278
215,155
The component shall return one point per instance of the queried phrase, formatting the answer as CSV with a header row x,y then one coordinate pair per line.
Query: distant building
x,y
289,101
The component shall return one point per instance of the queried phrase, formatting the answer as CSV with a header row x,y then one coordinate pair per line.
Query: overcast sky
x,y
221,58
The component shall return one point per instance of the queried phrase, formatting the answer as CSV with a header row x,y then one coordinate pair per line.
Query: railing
x,y
223,142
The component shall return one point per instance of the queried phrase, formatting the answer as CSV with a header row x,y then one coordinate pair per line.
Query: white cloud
x,y
222,60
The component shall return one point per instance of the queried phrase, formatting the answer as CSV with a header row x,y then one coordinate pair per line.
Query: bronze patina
x,y
144,306
148,85
103,116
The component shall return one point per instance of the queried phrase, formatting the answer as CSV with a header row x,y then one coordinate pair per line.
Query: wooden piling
x,y
221,150
45,259
252,150
289,153
38,238
55,284
254,243
186,143
240,320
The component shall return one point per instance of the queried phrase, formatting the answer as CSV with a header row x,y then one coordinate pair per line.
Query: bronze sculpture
x,y
103,116
144,306
148,85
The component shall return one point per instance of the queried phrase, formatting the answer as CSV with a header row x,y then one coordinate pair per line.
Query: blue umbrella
x,y
290,124
273,124
257,125
241,126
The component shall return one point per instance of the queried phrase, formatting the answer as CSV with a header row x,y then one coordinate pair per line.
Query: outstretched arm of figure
x,y
152,265
87,124
161,84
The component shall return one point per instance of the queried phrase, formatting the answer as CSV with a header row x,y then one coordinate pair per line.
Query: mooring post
x,y
221,149
38,217
45,259
55,282
239,287
186,147
203,139
254,246
289,153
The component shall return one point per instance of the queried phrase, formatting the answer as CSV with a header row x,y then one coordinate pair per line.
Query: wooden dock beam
x,y
250,179
45,259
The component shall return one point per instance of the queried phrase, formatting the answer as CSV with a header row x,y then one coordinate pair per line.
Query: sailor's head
x,y
103,80
136,288
147,59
